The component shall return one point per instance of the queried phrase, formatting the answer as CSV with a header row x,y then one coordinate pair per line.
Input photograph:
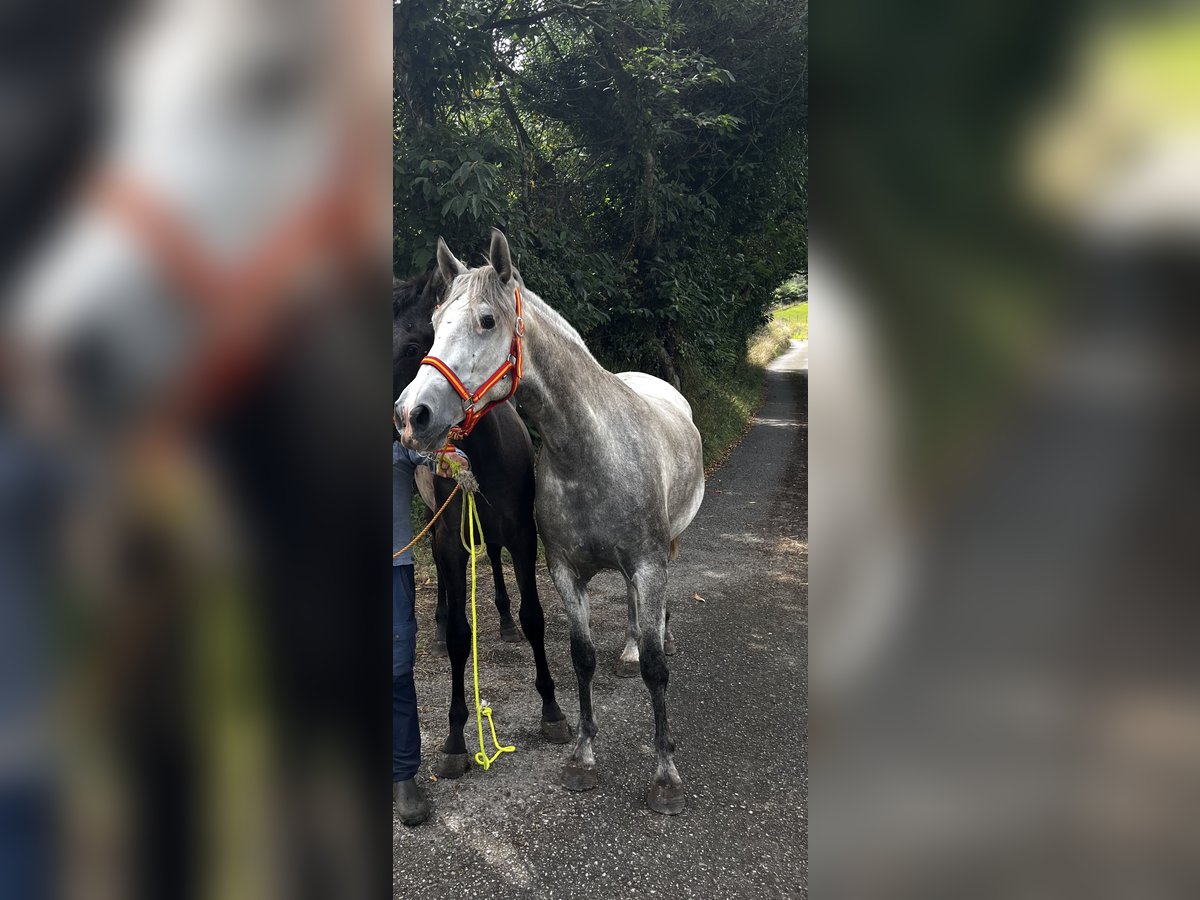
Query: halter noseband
x,y
513,364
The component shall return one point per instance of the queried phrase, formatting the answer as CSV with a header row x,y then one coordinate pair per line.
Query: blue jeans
x,y
406,731
28,835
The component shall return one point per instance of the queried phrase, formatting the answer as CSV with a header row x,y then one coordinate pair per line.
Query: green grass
x,y
722,405
795,317
768,342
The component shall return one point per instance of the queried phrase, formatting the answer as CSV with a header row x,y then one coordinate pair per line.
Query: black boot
x,y
411,803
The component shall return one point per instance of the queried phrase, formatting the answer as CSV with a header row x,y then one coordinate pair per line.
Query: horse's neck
x,y
563,384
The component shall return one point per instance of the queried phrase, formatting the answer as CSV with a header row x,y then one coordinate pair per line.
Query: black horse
x,y
412,336
501,456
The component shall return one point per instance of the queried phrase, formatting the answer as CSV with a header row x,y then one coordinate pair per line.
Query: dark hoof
x,y
556,732
438,648
511,634
451,765
667,799
627,669
576,778
669,647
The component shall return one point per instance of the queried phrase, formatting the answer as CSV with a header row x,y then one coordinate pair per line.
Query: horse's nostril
x,y
418,416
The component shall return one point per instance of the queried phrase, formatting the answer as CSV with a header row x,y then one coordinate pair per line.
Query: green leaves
x,y
648,159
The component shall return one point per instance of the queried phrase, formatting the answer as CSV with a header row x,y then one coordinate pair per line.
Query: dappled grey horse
x,y
619,476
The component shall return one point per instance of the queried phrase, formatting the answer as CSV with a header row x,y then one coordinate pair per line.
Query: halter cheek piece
x,y
514,364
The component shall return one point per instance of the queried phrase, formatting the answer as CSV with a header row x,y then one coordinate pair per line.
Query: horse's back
x,y
656,389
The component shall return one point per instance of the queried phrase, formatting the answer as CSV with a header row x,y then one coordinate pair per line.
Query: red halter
x,y
243,303
513,364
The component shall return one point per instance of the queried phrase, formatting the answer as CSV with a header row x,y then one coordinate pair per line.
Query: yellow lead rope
x,y
468,526
437,515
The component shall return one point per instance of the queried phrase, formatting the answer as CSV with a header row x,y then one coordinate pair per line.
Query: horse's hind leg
x,y
666,791
628,665
508,628
579,774
554,724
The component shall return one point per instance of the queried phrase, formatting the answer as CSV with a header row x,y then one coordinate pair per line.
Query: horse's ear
x,y
499,256
448,266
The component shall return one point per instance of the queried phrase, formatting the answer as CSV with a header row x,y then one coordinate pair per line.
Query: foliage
x,y
793,290
647,159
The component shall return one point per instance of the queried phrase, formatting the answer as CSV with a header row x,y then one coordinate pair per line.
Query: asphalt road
x,y
737,701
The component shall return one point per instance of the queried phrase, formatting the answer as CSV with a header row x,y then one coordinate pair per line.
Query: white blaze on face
x,y
62,287
472,352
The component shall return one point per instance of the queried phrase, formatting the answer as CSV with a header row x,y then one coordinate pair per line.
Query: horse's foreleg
x,y
438,646
666,791
579,774
508,628
453,760
554,724
628,665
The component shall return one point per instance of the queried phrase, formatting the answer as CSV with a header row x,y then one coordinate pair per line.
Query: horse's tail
x,y
674,548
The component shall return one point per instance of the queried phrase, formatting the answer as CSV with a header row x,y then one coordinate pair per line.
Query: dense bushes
x,y
794,289
647,159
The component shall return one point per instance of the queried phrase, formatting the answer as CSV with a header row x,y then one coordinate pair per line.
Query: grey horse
x,y
619,476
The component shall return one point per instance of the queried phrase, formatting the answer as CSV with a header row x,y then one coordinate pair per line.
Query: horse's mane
x,y
416,293
483,286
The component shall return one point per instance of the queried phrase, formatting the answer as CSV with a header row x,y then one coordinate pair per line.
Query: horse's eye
x,y
410,350
488,321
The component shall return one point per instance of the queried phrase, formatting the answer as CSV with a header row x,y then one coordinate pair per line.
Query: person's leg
x,y
28,841
411,804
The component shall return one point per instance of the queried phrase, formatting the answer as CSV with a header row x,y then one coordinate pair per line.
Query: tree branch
x,y
523,141
570,9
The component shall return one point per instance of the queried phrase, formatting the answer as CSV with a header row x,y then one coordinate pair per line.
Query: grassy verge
x,y
795,317
722,406
768,342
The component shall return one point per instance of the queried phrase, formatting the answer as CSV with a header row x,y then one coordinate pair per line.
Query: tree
x,y
647,158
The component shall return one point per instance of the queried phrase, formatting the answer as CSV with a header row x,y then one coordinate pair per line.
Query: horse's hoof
x,y
556,732
628,669
577,778
451,765
438,649
667,799
669,647
511,634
